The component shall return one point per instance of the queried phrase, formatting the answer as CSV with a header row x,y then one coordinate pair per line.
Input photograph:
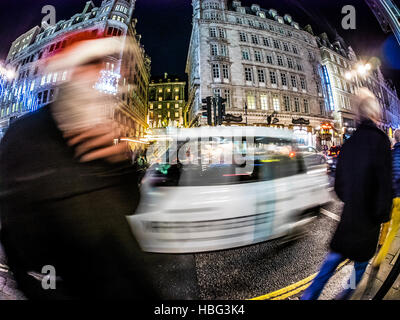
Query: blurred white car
x,y
217,188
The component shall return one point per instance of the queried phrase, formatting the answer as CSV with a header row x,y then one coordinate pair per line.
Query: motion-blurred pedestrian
x,y
66,188
364,183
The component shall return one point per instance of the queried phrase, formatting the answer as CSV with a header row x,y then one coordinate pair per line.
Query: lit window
x,y
264,102
276,103
251,101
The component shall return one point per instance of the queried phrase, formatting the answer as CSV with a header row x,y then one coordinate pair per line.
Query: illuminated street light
x,y
362,70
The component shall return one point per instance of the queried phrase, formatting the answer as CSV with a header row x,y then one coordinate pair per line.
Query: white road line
x,y
330,214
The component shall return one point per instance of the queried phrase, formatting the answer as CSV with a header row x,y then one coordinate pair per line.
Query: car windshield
x,y
222,161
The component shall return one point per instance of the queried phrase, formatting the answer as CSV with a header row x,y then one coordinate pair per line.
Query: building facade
x,y
345,73
166,102
125,76
262,63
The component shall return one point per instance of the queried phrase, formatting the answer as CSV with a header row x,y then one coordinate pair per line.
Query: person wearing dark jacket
x,y
65,191
364,183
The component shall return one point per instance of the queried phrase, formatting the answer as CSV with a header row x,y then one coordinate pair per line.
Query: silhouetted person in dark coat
x,y
364,183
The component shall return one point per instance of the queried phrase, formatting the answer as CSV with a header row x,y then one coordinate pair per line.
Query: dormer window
x,y
273,13
261,14
241,9
255,8
280,19
236,4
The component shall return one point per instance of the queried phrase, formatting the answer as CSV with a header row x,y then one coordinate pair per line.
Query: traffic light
x,y
221,109
207,108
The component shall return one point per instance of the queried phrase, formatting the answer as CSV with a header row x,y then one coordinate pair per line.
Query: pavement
x,y
377,278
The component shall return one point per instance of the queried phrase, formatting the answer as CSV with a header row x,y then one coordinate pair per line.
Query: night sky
x,y
165,26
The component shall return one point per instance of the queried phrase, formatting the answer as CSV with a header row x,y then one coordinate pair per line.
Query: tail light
x,y
292,154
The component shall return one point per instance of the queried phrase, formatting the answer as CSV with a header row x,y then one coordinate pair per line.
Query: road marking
x,y
295,288
330,214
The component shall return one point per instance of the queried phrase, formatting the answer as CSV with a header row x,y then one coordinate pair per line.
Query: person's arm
x,y
98,143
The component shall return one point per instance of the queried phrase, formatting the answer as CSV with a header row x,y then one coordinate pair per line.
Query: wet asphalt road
x,y
247,272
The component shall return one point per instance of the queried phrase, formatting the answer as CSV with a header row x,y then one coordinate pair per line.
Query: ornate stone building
x,y
166,102
261,62
126,76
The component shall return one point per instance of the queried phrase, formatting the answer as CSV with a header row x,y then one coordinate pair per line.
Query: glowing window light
x,y
108,82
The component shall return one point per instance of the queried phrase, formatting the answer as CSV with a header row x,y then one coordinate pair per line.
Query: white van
x,y
223,187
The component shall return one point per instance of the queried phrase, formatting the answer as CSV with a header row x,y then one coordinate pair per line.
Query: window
x,y
303,83
254,39
224,50
299,66
266,42
213,32
284,79
215,71
272,77
286,102
214,49
222,33
276,44
251,101
293,80
176,114
243,37
257,56
290,63
276,103
261,75
306,106
248,74
225,71
295,50
279,59
269,59
296,105
227,94
285,47
246,54
264,101
321,107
